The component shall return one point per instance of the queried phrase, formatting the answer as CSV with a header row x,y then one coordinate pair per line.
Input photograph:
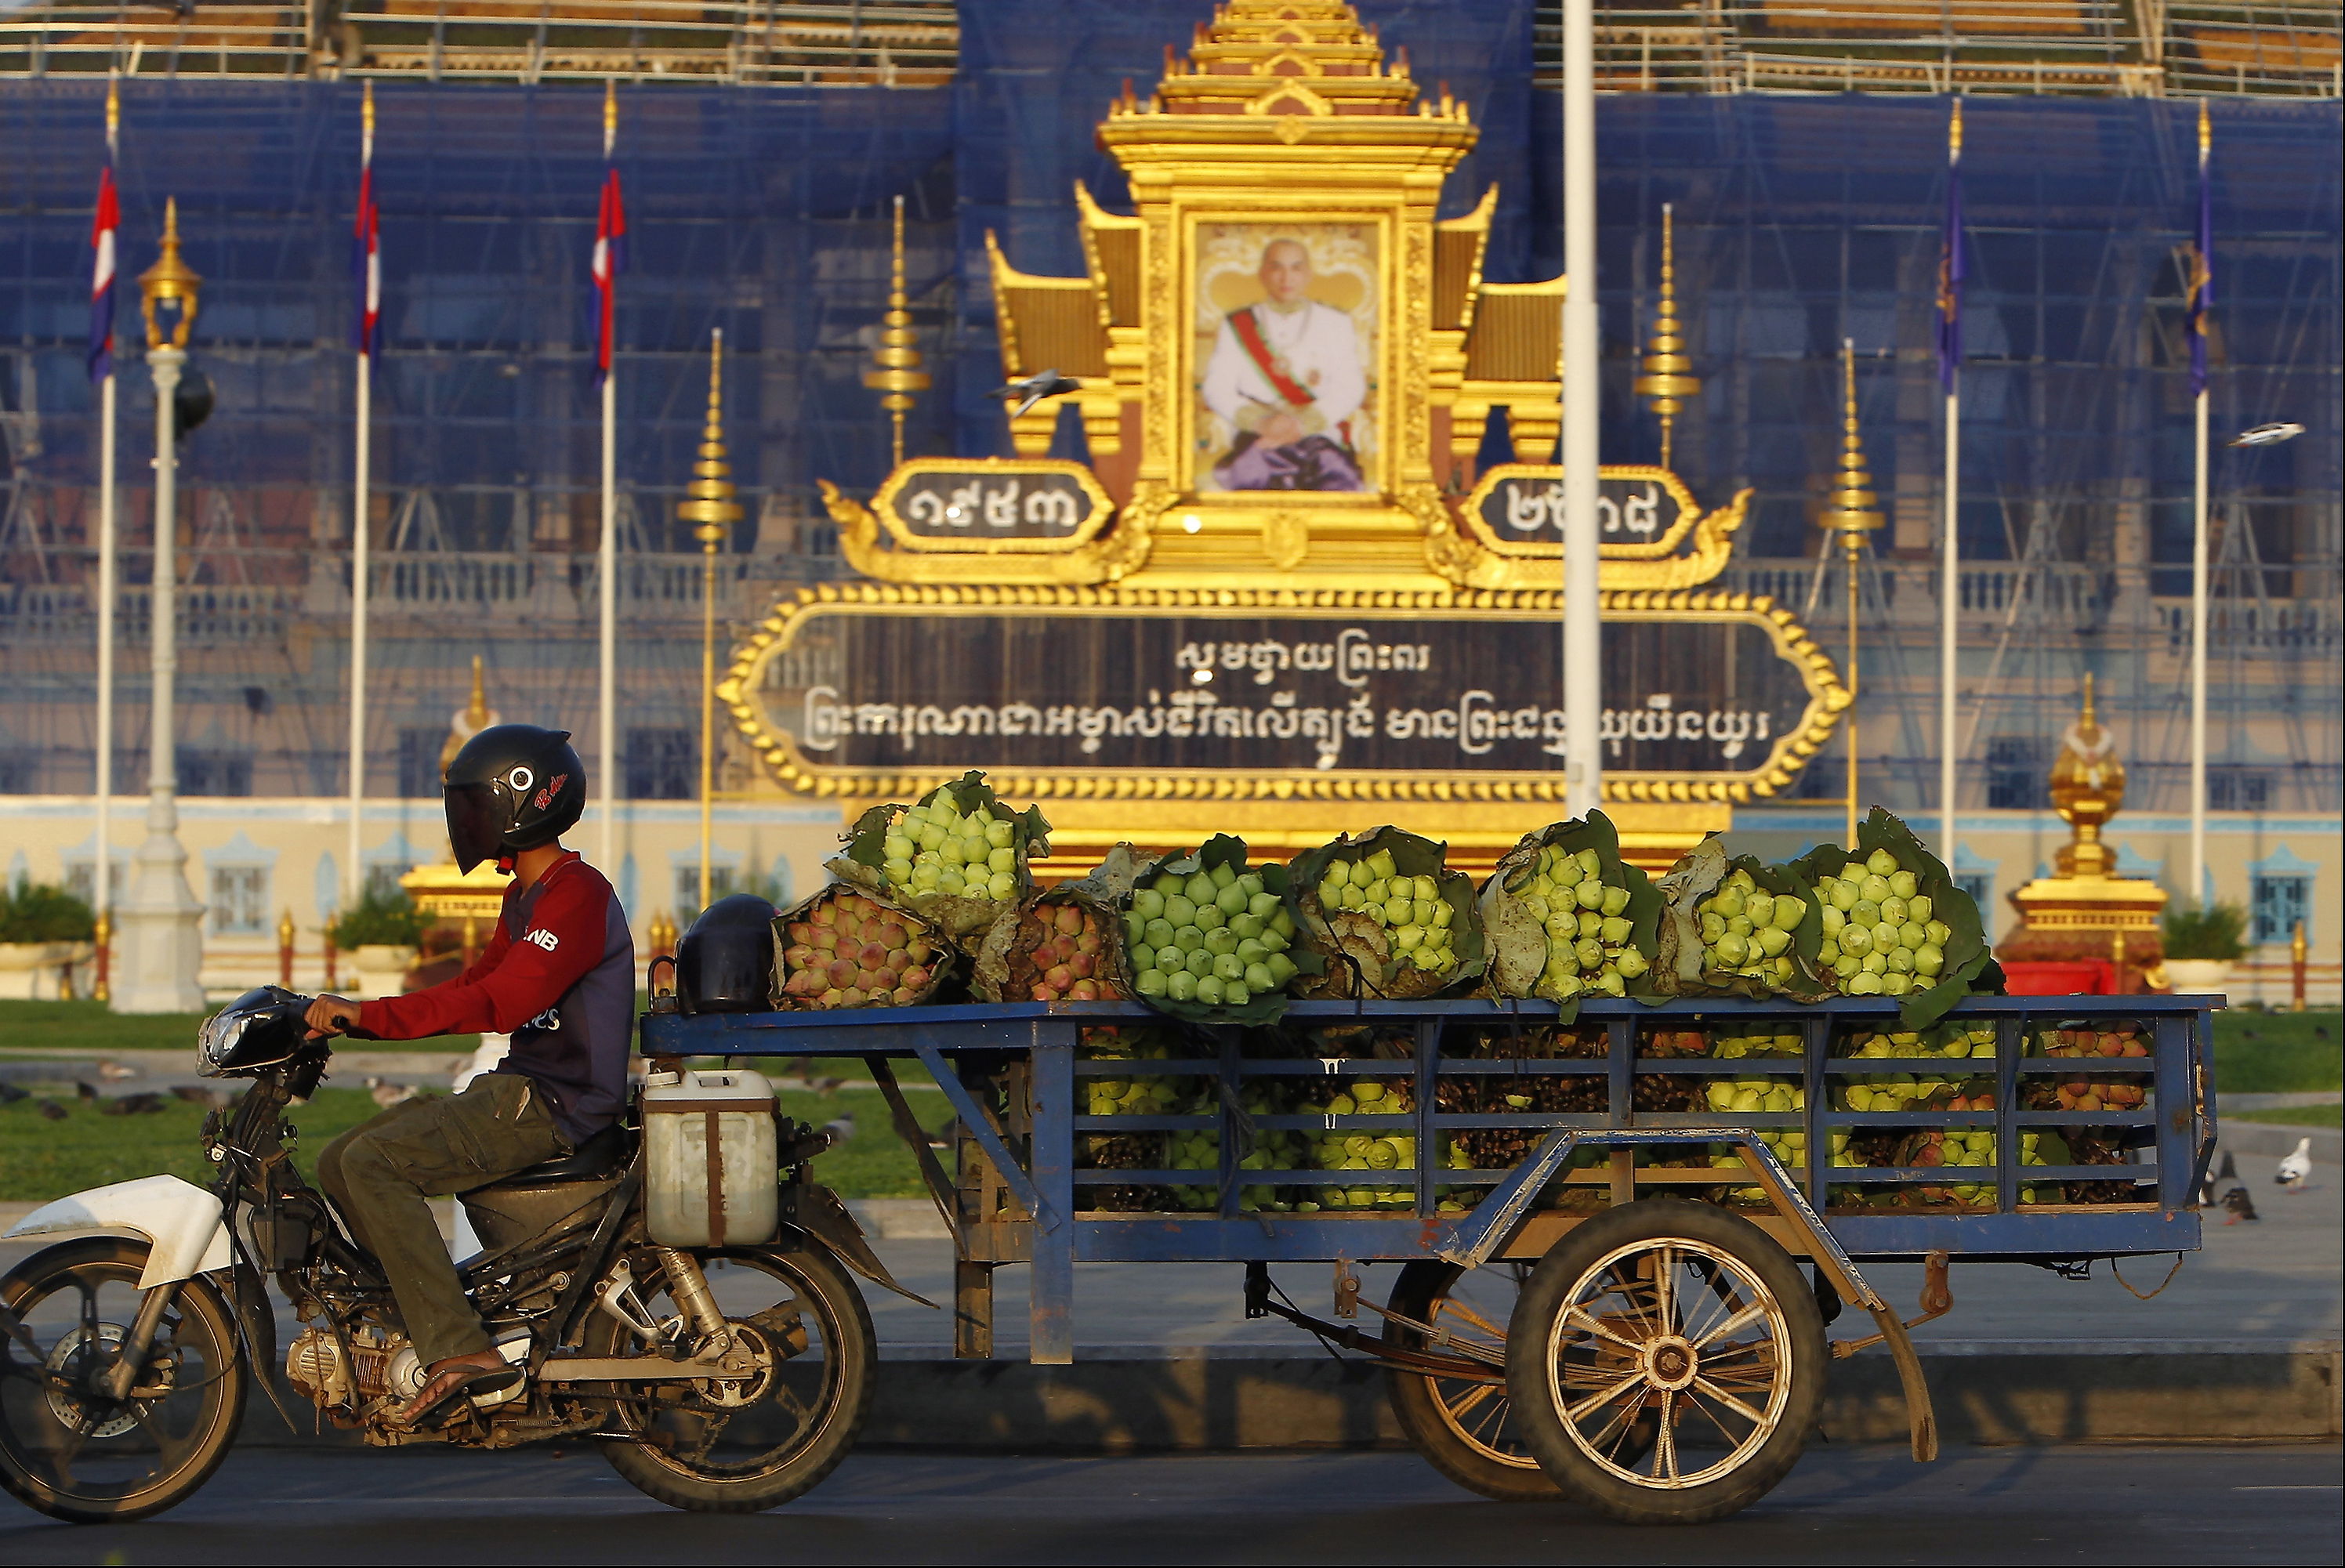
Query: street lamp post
x,y
162,923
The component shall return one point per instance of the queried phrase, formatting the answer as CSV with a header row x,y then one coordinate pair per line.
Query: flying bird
x,y
2295,1168
2270,435
2241,1206
1034,389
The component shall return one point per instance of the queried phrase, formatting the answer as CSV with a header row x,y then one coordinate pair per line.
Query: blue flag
x,y
1949,263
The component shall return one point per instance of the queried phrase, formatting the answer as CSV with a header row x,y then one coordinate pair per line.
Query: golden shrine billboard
x,y
1279,578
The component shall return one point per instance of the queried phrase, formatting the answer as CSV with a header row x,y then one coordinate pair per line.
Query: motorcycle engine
x,y
386,1366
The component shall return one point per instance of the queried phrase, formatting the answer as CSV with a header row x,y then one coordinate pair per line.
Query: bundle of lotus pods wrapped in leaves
x,y
1388,914
1208,935
1747,930
1729,1047
843,949
1896,923
1881,934
1565,917
959,856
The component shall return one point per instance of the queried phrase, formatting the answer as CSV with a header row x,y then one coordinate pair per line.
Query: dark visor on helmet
x,y
474,832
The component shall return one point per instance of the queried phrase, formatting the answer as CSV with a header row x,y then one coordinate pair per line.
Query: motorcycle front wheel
x,y
68,1450
737,1447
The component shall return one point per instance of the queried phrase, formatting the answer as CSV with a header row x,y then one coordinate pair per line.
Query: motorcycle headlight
x,y
216,1039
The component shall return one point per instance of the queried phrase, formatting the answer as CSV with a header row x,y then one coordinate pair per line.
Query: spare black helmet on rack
x,y
725,962
512,787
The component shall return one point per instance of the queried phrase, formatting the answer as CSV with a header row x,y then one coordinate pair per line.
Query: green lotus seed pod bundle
x,y
1882,935
1747,930
1590,950
1417,920
1216,936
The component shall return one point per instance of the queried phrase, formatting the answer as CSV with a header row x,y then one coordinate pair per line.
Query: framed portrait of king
x,y
1286,360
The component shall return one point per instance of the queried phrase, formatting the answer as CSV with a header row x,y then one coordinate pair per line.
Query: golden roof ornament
x,y
1669,377
1851,509
899,374
469,720
710,502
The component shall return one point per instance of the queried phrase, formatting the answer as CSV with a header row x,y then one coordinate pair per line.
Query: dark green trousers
x,y
380,1174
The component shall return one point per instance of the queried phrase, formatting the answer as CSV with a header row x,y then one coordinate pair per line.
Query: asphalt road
x,y
1858,1505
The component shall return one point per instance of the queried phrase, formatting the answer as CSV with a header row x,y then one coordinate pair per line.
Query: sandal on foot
x,y
485,1380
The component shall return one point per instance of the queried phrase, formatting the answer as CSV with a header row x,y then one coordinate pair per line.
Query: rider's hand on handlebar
x,y
330,1015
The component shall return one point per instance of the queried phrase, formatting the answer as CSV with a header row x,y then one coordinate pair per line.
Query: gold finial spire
x,y
899,374
475,716
2088,724
170,280
610,115
1954,134
709,502
1851,509
366,112
1668,379
113,110
2205,135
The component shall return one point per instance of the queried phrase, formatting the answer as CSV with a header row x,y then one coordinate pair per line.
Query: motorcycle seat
x,y
599,1158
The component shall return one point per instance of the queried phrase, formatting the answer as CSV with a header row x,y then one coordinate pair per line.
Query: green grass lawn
x,y
2279,1053
2292,1115
41,1158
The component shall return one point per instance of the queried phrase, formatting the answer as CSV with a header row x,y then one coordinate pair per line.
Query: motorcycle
x,y
127,1356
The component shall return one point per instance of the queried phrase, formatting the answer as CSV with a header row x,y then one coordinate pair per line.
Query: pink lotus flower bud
x,y
1058,978
891,934
800,931
833,997
915,978
825,914
904,996
1080,965
842,973
851,998
871,955
1069,919
1044,993
1088,942
798,958
1085,991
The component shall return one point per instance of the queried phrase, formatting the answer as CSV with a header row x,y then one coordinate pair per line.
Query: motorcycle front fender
x,y
181,1219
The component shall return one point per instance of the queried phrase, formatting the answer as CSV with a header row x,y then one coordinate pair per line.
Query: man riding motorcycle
x,y
559,976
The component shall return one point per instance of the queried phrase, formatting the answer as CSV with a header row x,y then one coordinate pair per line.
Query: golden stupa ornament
x,y
2084,890
1851,509
1668,379
899,374
167,291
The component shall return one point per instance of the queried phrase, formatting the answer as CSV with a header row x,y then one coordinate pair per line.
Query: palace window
x,y
2280,902
240,900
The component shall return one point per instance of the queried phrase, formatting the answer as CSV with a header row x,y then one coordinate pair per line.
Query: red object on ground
x,y
2081,977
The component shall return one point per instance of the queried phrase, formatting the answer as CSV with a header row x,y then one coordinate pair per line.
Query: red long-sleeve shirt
x,y
559,976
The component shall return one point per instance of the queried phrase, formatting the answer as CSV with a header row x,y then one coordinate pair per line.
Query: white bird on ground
x,y
2296,1167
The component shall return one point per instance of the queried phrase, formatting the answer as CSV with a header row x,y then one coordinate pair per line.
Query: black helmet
x,y
725,962
261,1029
512,787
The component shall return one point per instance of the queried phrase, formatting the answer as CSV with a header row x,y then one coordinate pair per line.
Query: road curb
x,y
1152,1399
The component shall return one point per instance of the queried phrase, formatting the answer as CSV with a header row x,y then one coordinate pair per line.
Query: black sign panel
x,y
865,689
972,505
1525,509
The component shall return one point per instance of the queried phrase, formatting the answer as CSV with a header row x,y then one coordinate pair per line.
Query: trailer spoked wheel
x,y
1464,1426
1679,1314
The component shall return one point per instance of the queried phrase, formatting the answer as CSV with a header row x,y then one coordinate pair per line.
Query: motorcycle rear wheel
x,y
73,1454
741,1447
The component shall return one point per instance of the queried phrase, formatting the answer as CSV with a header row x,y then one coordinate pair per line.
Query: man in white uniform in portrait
x,y
1287,373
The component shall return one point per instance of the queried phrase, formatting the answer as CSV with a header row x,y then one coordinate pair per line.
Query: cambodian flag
x,y
366,245
610,236
102,233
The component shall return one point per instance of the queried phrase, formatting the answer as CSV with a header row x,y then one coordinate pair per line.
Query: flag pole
x,y
607,711
1950,568
2201,287
1583,631
102,872
363,464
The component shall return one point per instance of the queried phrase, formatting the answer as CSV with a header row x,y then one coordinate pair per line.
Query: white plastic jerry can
x,y
711,1175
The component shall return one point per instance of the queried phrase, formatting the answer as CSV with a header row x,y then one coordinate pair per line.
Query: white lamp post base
x,y
161,945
